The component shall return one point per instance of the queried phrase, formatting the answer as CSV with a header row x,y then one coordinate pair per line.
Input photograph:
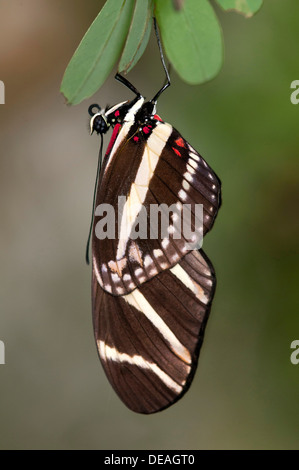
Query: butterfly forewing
x,y
149,165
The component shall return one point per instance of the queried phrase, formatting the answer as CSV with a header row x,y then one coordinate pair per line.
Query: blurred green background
x,y
53,391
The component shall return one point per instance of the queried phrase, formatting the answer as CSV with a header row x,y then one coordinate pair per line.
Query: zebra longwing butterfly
x,y
151,296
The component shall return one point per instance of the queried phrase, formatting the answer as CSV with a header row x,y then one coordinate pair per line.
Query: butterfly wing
x,y
149,166
149,340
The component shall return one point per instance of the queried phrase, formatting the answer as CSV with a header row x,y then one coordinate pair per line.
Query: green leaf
x,y
98,51
138,36
247,7
192,39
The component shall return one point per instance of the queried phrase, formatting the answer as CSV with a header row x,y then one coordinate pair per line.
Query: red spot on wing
x,y
116,113
136,138
180,142
157,117
146,130
177,151
113,139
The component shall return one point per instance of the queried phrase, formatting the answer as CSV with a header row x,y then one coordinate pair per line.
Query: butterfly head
x,y
102,119
98,121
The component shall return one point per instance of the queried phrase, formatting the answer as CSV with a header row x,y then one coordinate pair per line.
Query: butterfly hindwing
x,y
149,340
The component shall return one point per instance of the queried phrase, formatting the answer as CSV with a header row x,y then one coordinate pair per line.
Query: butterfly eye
x,y
99,124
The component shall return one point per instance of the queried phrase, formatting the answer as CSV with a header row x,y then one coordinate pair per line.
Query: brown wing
x,y
149,340
150,168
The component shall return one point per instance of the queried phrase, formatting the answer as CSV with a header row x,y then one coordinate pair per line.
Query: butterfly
x,y
151,291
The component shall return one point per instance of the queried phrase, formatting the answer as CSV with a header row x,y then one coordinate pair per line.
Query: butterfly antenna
x,y
167,84
94,199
